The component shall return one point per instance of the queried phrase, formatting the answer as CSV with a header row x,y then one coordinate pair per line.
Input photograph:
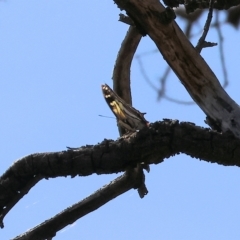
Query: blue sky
x,y
54,55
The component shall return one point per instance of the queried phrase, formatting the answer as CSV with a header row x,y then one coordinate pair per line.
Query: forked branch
x,y
191,69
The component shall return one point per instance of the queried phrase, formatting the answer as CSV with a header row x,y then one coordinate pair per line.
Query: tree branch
x,y
121,71
202,41
121,85
192,5
49,228
194,73
151,145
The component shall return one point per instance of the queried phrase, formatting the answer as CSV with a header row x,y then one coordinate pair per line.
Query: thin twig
x,y
163,80
143,72
201,42
162,91
221,39
220,5
179,101
125,19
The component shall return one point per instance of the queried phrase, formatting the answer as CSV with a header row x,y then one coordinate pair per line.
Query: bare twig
x,y
142,70
202,43
162,91
125,19
193,5
220,37
163,80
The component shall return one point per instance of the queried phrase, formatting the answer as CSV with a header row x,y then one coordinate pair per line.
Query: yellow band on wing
x,y
118,110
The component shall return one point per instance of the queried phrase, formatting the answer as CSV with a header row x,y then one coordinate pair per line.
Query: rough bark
x,y
151,145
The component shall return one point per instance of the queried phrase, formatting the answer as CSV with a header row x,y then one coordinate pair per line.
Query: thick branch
x,y
186,62
153,145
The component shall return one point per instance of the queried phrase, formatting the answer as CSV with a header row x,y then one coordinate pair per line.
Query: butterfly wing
x,y
128,117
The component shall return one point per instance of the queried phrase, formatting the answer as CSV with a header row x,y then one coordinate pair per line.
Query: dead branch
x,y
49,228
151,145
194,73
202,42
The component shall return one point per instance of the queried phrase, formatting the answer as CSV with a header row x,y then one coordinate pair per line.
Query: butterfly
x,y
127,116
131,120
